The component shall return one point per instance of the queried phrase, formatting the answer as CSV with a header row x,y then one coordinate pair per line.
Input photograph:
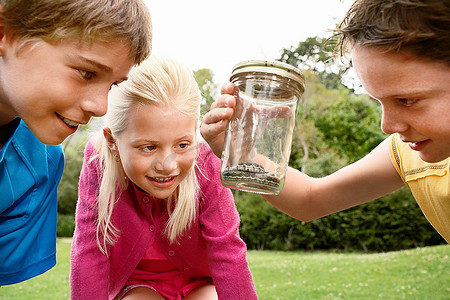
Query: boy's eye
x,y
149,148
87,74
406,101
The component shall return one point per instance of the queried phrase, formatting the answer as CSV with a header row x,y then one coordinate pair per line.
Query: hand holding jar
x,y
259,134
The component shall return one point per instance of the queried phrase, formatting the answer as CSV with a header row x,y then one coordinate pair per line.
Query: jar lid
x,y
270,67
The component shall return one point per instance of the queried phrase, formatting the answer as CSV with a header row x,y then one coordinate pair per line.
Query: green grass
x,y
422,273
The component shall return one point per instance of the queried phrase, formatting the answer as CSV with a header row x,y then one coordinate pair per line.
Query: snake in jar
x,y
250,172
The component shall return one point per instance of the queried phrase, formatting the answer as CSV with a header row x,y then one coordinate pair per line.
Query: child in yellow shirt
x,y
400,53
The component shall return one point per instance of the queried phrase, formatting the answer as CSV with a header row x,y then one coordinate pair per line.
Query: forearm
x,y
306,198
295,197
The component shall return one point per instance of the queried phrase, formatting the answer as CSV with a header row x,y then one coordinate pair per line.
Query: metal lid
x,y
270,67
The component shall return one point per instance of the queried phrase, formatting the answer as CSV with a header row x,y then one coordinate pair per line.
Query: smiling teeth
x,y
162,179
69,122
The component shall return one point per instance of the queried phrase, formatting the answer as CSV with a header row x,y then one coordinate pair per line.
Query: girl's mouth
x,y
162,179
162,182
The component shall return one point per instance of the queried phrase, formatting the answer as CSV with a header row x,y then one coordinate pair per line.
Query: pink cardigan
x,y
211,247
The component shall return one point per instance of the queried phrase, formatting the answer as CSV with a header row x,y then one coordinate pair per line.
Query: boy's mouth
x,y
68,122
417,146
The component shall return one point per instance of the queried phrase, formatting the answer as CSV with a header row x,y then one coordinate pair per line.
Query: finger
x,y
227,88
213,134
218,114
224,101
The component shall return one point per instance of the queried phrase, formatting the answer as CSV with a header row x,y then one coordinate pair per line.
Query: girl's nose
x,y
166,163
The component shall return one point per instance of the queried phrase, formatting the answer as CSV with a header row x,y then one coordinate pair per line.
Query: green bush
x,y
65,225
68,186
391,223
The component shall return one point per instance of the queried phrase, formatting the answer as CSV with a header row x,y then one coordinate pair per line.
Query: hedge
x,y
65,225
391,223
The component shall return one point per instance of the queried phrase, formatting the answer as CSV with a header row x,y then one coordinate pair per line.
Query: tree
x,y
333,126
208,88
316,54
351,125
308,144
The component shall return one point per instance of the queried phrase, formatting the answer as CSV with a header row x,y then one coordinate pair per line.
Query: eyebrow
x,y
411,94
144,140
100,66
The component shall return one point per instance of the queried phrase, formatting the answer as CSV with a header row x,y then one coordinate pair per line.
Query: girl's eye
x,y
87,74
183,145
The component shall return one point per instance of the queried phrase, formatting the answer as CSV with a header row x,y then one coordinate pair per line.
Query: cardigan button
x,y
152,228
186,270
146,200
171,253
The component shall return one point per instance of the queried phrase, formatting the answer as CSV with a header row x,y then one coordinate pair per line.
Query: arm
x,y
89,271
306,198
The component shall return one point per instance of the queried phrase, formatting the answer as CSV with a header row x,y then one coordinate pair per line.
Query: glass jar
x,y
259,134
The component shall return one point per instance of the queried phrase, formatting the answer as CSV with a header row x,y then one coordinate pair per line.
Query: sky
x,y
219,34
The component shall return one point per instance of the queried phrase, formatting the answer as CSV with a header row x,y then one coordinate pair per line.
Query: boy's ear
x,y
110,141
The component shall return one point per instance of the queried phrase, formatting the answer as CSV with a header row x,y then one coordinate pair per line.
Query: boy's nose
x,y
392,121
96,103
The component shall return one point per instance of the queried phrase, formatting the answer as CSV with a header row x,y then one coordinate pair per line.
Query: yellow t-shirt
x,y
429,184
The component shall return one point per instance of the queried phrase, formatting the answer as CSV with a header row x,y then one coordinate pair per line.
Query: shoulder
x,y
401,154
90,149
409,164
208,165
208,174
207,159
91,170
92,154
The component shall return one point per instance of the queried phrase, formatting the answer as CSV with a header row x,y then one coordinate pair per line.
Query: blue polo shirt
x,y
29,175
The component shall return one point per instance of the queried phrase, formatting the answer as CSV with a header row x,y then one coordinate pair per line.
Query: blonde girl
x,y
152,219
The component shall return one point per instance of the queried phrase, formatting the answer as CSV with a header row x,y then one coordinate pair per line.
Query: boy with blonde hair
x,y
58,61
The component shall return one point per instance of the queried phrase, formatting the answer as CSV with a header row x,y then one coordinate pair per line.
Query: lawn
x,y
422,273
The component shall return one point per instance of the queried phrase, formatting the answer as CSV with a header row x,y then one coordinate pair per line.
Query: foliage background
x,y
334,127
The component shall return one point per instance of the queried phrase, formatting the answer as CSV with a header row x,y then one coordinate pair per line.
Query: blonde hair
x,y
83,20
157,81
